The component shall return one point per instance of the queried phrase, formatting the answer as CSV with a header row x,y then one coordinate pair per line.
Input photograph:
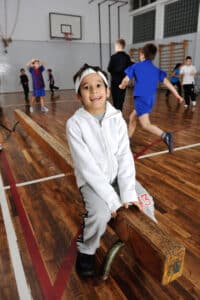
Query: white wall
x,y
31,38
33,22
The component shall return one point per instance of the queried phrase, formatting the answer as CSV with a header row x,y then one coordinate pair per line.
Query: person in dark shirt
x,y
24,82
51,80
118,63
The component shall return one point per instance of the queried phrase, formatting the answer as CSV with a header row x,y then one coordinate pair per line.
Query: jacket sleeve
x,y
88,169
126,166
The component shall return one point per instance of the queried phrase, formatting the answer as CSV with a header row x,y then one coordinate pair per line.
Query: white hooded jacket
x,y
101,154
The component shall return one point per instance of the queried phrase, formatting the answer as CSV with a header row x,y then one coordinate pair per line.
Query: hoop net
x,y
68,36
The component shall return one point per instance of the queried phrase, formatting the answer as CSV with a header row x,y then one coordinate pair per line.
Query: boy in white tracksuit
x,y
103,162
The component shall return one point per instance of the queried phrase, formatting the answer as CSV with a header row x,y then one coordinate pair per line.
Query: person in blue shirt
x,y
175,79
35,67
147,76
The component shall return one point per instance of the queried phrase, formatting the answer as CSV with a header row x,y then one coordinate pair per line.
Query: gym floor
x,y
49,207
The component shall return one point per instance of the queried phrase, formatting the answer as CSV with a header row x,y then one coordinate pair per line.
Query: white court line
x,y
22,286
166,151
23,104
7,187
39,180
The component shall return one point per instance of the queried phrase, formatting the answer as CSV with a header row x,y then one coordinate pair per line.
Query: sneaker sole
x,y
171,144
86,273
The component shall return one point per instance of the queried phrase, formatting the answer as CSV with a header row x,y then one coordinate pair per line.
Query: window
x,y
181,17
144,27
135,4
144,2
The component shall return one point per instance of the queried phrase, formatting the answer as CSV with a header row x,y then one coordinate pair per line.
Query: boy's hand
x,y
179,99
114,214
136,203
124,83
126,205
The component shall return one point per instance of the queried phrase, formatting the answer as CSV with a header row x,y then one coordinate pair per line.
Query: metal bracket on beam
x,y
9,129
110,256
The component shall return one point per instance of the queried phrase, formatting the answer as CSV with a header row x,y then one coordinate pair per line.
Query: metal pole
x,y
109,24
100,42
118,18
109,29
100,38
118,12
109,21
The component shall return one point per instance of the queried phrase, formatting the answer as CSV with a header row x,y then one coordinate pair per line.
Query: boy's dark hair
x,y
22,69
85,67
121,42
149,51
49,70
177,66
36,60
188,57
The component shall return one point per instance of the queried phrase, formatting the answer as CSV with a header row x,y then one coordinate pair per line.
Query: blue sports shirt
x,y
38,81
174,79
146,76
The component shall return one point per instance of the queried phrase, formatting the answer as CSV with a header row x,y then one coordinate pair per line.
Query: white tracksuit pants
x,y
94,222
98,215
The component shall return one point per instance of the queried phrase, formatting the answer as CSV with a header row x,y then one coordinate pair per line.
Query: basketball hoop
x,y
68,36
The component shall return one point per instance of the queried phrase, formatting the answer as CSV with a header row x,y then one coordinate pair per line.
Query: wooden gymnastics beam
x,y
153,248
49,144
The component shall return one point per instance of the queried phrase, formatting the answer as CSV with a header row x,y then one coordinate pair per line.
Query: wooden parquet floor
x,y
54,207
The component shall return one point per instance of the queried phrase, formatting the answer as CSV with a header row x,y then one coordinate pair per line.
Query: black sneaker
x,y
85,264
168,140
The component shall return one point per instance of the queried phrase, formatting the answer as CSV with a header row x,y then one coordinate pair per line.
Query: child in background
x,y
36,68
146,77
51,80
188,72
118,63
24,82
175,79
103,162
131,54
132,58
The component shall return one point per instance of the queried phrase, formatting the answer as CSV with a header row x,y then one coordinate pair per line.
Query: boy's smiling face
x,y
36,64
188,62
93,94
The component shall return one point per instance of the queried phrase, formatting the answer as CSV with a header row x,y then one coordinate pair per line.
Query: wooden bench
x,y
153,248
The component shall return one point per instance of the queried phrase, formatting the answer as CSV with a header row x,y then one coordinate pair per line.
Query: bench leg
x,y
110,256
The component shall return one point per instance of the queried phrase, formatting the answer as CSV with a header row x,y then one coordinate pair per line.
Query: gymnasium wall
x,y
146,25
31,39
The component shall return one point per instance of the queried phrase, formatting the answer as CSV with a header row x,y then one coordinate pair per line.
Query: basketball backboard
x,y
61,23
